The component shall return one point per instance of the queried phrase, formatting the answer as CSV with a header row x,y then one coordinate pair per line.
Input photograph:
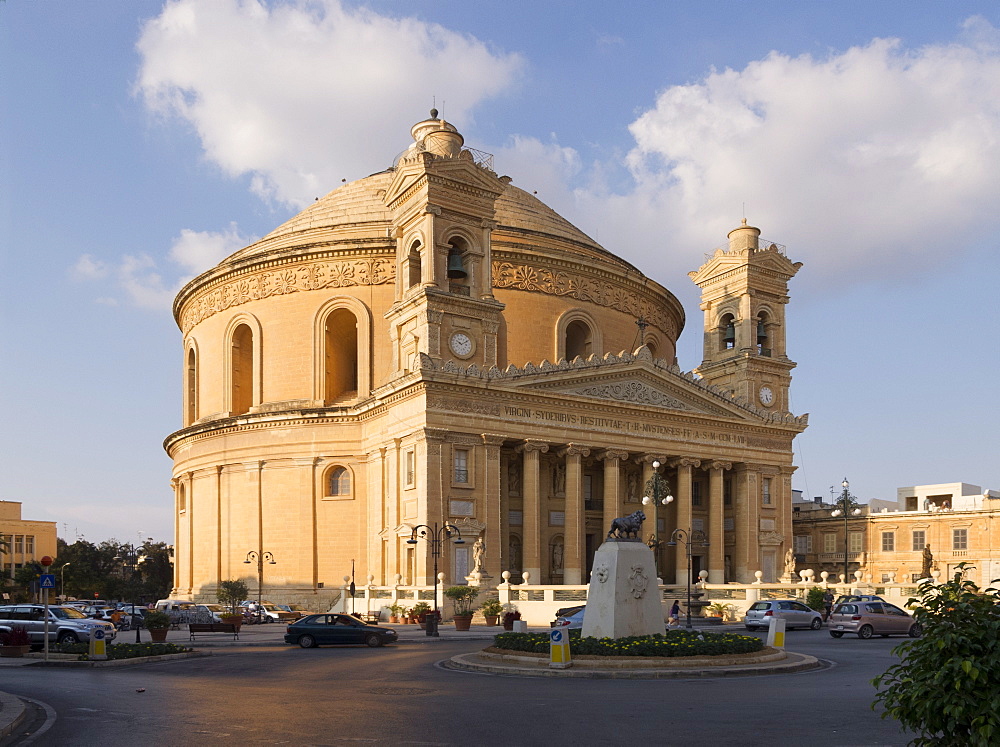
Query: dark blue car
x,y
330,628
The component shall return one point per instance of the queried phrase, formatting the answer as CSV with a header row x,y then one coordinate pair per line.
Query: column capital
x,y
717,464
493,439
574,450
435,434
618,454
685,462
650,458
532,444
787,470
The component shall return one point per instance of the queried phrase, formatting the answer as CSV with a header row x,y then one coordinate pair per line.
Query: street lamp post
x,y
259,557
657,484
435,537
688,537
62,581
845,503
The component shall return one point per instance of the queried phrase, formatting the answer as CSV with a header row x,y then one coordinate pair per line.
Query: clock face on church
x,y
461,345
766,395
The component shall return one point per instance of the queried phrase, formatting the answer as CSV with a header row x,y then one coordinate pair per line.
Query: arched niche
x,y
342,351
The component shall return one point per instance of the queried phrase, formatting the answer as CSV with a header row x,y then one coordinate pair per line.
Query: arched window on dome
x,y
579,340
413,266
338,483
181,498
341,355
241,369
191,388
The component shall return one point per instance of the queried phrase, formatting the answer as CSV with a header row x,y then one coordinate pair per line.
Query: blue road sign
x,y
47,581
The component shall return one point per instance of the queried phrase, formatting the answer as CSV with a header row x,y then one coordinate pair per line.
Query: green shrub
x,y
673,643
947,686
125,650
231,593
463,598
156,619
814,598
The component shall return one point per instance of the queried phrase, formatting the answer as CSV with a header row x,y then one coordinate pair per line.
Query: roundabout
x,y
523,664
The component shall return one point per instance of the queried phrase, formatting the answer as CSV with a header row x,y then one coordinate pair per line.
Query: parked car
x,y
868,618
794,613
858,598
330,628
66,624
288,612
571,621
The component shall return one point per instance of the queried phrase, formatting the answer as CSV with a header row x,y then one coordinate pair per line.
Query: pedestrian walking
x,y
675,613
827,605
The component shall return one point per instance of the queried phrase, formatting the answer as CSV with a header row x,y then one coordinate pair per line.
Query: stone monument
x,y
624,598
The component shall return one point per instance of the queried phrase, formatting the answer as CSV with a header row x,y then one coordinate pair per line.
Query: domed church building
x,y
432,344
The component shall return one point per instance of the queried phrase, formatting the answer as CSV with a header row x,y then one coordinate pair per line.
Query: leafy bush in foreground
x,y
673,643
947,686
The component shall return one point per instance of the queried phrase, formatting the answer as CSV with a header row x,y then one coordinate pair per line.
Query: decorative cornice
x,y
601,292
303,277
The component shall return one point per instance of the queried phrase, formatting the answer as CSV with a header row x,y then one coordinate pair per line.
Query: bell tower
x,y
442,201
744,290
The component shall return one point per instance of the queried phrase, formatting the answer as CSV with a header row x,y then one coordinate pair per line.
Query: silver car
x,y
794,613
66,624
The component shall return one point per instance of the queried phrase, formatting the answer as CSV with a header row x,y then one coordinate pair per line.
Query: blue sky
x,y
140,142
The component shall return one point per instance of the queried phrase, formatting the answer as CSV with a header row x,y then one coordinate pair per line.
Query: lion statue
x,y
627,527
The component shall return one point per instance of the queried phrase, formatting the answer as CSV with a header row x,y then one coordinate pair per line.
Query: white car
x,y
572,621
794,613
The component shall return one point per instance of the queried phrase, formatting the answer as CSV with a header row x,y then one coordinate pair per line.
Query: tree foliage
x,y
947,686
231,593
814,598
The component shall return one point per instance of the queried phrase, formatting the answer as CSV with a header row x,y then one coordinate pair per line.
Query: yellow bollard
x,y
559,657
98,650
776,633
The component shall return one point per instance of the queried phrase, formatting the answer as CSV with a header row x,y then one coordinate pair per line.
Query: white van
x,y
173,605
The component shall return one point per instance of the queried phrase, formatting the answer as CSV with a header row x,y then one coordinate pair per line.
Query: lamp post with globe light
x,y
659,487
259,557
435,537
688,537
847,506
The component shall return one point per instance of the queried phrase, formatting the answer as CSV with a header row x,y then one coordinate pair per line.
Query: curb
x,y
12,713
791,664
73,664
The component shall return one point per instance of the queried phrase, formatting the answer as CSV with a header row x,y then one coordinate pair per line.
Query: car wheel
x,y
866,632
816,624
373,641
68,638
916,630
837,633
307,641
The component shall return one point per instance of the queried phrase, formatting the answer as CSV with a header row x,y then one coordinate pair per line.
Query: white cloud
x,y
878,157
198,251
302,94
143,284
87,267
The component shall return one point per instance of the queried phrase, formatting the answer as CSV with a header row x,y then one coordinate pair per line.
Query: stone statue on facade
x,y
627,527
478,555
789,562
928,562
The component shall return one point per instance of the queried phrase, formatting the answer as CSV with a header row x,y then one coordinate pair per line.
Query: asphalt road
x,y
396,695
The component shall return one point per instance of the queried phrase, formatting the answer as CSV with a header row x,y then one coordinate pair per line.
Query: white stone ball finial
x,y
525,577
758,575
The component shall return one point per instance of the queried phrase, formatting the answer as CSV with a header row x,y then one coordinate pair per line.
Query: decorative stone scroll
x,y
633,391
303,277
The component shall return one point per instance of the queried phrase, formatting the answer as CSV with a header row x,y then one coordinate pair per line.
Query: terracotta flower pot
x,y
14,651
158,635
463,622
492,619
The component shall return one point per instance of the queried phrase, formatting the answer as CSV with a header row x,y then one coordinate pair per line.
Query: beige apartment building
x,y
888,542
433,344
26,540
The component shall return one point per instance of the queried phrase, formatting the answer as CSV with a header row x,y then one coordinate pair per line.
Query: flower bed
x,y
125,650
673,643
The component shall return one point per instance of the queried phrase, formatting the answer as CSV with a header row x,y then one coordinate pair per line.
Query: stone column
x,y
683,499
716,517
530,493
430,505
612,485
743,524
573,560
492,506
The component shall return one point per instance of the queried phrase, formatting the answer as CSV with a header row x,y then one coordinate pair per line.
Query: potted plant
x,y
230,593
157,623
420,610
463,598
717,609
14,642
510,616
394,610
492,609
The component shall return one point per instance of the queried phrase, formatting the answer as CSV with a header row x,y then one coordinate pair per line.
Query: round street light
x,y
435,537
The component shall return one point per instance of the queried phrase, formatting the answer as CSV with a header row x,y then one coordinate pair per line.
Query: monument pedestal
x,y
624,599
